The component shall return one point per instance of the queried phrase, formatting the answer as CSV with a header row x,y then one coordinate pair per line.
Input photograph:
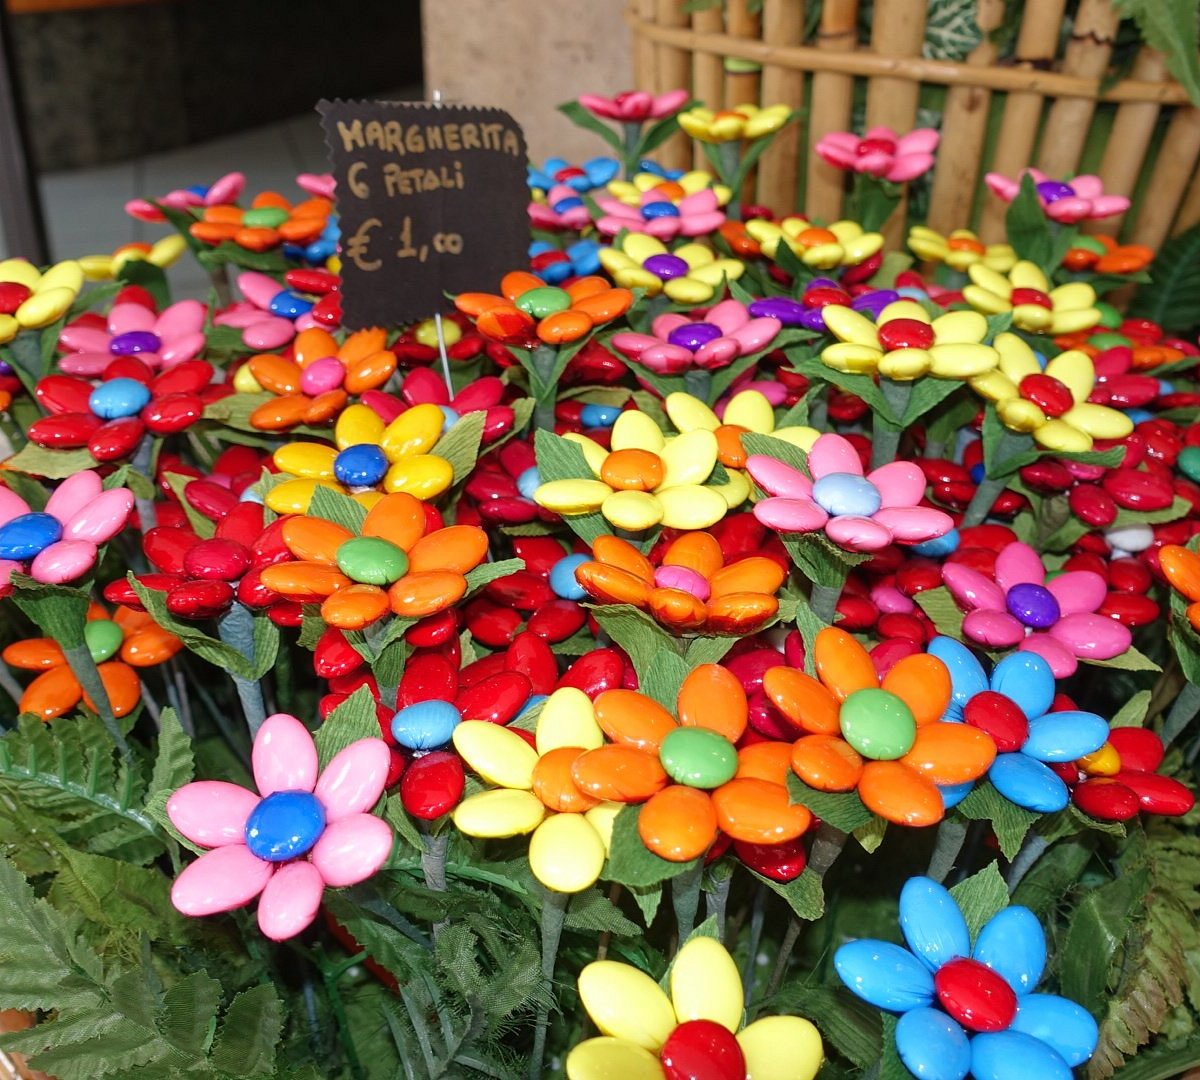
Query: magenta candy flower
x,y
715,340
856,512
563,209
61,542
300,833
1067,201
881,152
261,328
696,214
158,341
225,190
632,106
1055,619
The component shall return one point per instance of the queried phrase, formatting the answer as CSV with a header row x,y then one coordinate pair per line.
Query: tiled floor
x,y
84,209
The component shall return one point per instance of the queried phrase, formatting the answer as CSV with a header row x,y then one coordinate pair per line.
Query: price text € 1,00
x,y
358,246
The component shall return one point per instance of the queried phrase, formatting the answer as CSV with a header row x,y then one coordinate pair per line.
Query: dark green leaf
x,y
59,611
246,1043
940,606
779,449
1009,821
805,894
1027,228
208,648
861,386
1170,27
580,116
352,720
1098,926
561,459
592,911
981,896
637,633
842,810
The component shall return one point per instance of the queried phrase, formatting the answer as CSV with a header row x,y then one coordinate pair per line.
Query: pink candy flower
x,y
693,215
1065,201
224,190
632,106
1055,619
158,341
300,833
678,343
881,152
261,328
856,512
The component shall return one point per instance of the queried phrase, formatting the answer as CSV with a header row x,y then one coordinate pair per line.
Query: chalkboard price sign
x,y
431,200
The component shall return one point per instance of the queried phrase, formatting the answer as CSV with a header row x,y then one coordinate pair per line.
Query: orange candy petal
x,y
826,762
758,812
564,326
1182,569
632,719
325,407
711,697
553,784
803,700
312,344
677,609
678,823
922,682
621,553
314,539
730,451
843,664
756,574
770,761
584,287
363,343
503,322
303,581
370,372
458,547
416,595
899,794
398,517
34,654
605,306
951,753
698,551
355,607
150,645
52,693
280,413
476,303
740,613
611,584
519,282
122,686
619,774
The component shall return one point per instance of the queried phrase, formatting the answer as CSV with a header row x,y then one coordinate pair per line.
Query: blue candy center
x,y
285,825
362,465
839,494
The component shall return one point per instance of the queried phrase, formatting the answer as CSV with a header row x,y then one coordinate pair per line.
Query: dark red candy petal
x,y
905,334
116,439
491,624
172,414
428,676
1047,393
1092,505
975,995
495,700
166,547
210,499
1129,575
243,524
595,672
12,295
1158,794
253,593
334,655
217,559
1141,749
1134,489
522,590
1000,717
557,620
63,394
64,431
1129,609
483,668
539,553
129,367
779,862
199,599
1106,799
534,659
432,785
269,548
433,630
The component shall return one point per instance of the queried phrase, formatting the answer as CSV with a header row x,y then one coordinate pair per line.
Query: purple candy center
x,y
692,335
134,341
1053,190
666,266
1033,605
787,311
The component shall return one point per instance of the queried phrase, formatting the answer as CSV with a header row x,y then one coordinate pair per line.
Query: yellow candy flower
x,y
690,274
742,122
632,192
639,1022
534,791
906,344
370,458
163,253
30,299
1034,305
844,243
1051,405
960,250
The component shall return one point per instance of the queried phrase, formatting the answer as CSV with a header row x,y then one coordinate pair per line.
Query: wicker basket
x,y
1034,109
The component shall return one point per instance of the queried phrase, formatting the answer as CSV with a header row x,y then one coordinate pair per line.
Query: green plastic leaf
x,y
630,862
848,1023
352,720
804,894
1028,228
460,444
980,897
1010,822
1170,27
52,464
333,506
842,810
940,606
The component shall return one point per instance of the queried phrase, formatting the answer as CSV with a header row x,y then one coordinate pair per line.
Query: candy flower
x,y
1103,255
556,172
1181,567
689,206
1121,779
62,542
224,190
714,340
1035,306
844,243
530,307
632,106
690,274
302,831
1050,402
741,122
118,646
1081,198
856,512
270,221
30,299
272,314
162,253
905,343
882,737
697,1031
968,1007
160,341
881,152
396,563
960,249
1013,707
554,265
1056,619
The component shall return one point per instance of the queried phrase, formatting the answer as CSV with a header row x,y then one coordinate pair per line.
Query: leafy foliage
x,y
1173,297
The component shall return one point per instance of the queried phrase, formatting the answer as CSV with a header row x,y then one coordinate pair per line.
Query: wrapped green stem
x,y
554,912
236,629
83,667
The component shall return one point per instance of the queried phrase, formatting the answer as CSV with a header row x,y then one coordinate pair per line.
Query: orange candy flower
x,y
271,220
1182,569
692,591
556,316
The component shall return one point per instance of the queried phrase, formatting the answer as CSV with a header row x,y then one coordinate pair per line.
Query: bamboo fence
x,y
1048,105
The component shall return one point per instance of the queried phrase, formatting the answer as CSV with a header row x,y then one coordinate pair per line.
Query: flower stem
x,y
1182,713
632,131
83,667
698,382
236,629
147,514
827,845
790,937
10,685
757,916
554,910
823,601
1032,850
730,154
433,864
949,841
1011,444
685,899
716,903
885,437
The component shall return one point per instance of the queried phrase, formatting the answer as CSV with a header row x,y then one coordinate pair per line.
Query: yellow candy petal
x,y
626,1003
1032,317
1075,294
167,251
1073,320
988,280
568,719
1103,762
688,458
852,358
994,385
781,1048
566,854
494,814
641,246
634,277
803,437
9,328
602,818
1027,275
244,381
572,496
1061,436
357,424
904,309
64,275
424,476
962,361
413,432
1020,415
1075,370
606,1058
848,325
632,510
691,507
959,326
313,460
1099,421
1016,357
20,271
690,290
689,413
904,365
593,453
97,267
984,299
696,255
46,305
735,492
497,754
705,984
293,496
823,256
751,409
636,431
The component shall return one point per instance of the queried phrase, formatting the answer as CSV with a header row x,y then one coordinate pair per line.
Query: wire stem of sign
x,y
441,340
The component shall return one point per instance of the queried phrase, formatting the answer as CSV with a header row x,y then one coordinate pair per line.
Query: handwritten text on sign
x,y
431,200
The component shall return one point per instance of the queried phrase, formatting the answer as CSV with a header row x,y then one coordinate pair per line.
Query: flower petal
x,y
290,900
626,1003
353,781
777,478
790,515
1061,660
73,494
1065,736
220,880
914,524
781,1048
1019,564
833,454
352,849
858,533
1013,944
966,673
1066,1027
1013,1055
884,975
212,813
997,629
933,925
1078,590
900,483
604,1057
1094,637
1025,678
932,1045
12,505
1026,782
971,589
284,756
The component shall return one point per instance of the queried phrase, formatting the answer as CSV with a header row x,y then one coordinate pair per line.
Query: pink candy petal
x,y
777,478
891,600
1092,637
259,289
74,494
756,334
181,319
353,781
290,900
971,589
858,533
717,353
11,505
833,454
1108,205
1078,590
227,188
914,524
699,202
790,515
1061,660
220,880
284,756
87,364
102,518
909,167
919,141
998,629
127,317
267,334
321,185
212,813
85,339
1019,564
352,849
900,483
63,561
179,349
699,224
669,359
665,104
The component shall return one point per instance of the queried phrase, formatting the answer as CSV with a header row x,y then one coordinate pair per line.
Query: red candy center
x,y
12,296
1031,296
905,334
1000,717
975,995
702,1050
876,146
1047,393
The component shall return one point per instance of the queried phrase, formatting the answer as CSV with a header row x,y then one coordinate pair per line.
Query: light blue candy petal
x,y
884,975
1025,678
932,924
1013,944
562,577
529,481
1013,1055
1028,783
1061,1024
1064,736
939,547
932,1046
966,673
953,794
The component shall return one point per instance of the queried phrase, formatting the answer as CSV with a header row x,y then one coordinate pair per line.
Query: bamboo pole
x,y
708,73
742,86
1189,212
964,128
643,50
897,30
783,23
673,70
1037,43
1125,153
1173,171
832,97
1088,53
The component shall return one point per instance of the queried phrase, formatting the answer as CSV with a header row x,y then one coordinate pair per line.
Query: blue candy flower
x,y
592,174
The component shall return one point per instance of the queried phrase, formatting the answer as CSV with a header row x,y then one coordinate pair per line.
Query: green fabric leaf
x,y
980,897
1173,296
1130,660
805,894
940,606
1009,821
580,116
592,911
404,826
174,766
706,650
487,572
821,562
630,862
848,1023
333,506
637,633
1027,227
861,386
561,459
769,446
352,720
842,810
245,1046
927,394
460,444
59,611
663,679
